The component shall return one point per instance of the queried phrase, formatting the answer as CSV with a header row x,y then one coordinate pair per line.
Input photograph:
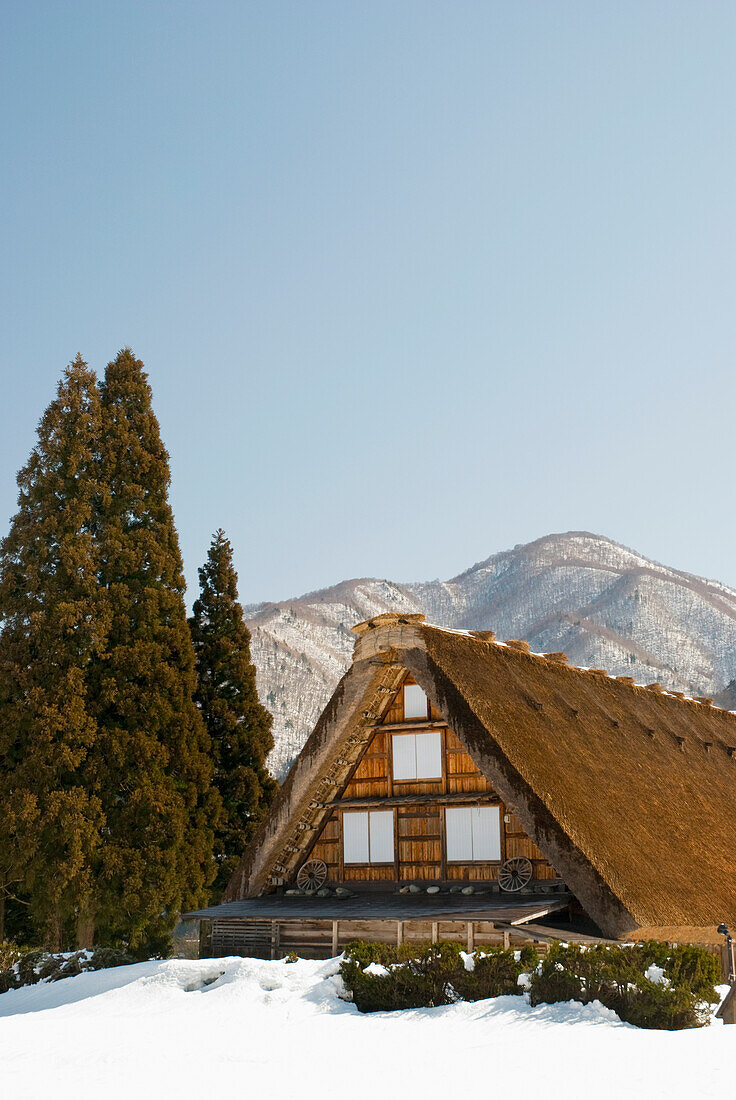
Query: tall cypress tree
x,y
150,768
53,626
238,725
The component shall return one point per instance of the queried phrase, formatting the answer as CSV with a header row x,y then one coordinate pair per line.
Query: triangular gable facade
x,y
432,798
626,792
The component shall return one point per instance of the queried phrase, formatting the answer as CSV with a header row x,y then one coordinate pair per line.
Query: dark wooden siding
x,y
419,841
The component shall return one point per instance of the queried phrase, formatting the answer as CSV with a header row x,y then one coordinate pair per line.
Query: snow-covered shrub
x,y
363,952
68,968
382,977
103,958
52,968
8,979
35,966
28,966
495,973
10,954
647,984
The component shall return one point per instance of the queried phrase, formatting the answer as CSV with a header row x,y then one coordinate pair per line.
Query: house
x,y
457,786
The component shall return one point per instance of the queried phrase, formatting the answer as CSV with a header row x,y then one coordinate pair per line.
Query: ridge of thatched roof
x,y
627,789
641,782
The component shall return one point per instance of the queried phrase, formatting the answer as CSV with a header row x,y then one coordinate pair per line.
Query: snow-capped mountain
x,y
602,604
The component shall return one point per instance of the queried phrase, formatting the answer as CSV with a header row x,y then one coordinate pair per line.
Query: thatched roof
x,y
628,791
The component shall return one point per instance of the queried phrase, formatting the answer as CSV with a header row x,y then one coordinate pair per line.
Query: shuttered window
x,y
473,833
415,702
429,755
405,756
368,837
355,838
417,755
486,825
459,835
381,836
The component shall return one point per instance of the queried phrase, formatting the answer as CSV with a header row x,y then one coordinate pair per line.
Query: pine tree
x,y
238,725
151,768
53,626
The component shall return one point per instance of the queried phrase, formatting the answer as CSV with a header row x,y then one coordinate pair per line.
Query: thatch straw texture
x,y
653,813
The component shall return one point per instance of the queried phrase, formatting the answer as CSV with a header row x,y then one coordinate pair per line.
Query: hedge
x,y
647,984
29,967
381,977
651,984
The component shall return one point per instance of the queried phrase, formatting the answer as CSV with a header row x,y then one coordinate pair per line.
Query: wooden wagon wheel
x,y
514,874
311,876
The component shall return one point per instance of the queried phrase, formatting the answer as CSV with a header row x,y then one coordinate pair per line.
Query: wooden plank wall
x,y
323,939
419,843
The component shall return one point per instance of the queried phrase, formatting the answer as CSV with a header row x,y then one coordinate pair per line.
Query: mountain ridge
x,y
602,603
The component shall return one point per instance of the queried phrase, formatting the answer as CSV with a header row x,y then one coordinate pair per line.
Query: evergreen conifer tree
x,y
53,624
238,725
151,768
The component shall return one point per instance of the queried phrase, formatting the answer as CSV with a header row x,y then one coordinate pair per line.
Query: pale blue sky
x,y
413,281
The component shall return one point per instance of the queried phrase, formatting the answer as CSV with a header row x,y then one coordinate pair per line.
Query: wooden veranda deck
x,y
272,925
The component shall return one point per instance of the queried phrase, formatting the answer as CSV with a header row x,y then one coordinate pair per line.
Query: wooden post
x,y
275,938
471,937
335,937
435,929
389,765
205,939
506,938
445,777
341,847
399,933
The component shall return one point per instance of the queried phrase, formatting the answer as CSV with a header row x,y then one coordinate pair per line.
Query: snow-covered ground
x,y
279,1030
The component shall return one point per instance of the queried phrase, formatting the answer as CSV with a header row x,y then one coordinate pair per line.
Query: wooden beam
x,y
341,849
470,797
335,937
389,765
471,937
399,933
543,911
445,777
418,725
435,931
533,932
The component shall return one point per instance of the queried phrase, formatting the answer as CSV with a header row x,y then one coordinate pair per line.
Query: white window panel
x,y
382,836
458,828
355,838
415,702
429,755
405,756
417,755
473,833
486,829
